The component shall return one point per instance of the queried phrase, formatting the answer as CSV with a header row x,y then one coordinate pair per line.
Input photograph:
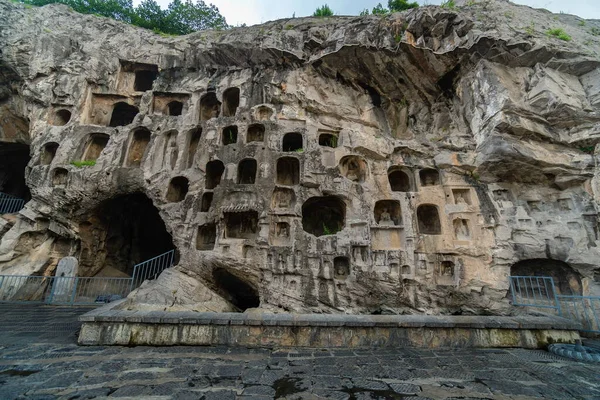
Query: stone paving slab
x,y
47,364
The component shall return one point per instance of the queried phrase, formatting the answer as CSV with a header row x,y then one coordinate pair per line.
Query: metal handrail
x,y
10,204
151,268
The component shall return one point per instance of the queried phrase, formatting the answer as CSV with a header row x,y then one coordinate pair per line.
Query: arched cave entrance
x,y
235,290
323,215
566,280
119,233
14,157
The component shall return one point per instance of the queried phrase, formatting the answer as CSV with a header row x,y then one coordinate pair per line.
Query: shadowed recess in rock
x,y
566,280
137,147
119,233
323,215
123,114
48,153
235,290
94,146
231,101
429,220
13,160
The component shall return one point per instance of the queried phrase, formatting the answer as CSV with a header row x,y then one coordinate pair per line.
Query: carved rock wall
x,y
351,164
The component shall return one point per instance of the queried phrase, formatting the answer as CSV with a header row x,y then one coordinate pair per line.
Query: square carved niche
x,y
462,196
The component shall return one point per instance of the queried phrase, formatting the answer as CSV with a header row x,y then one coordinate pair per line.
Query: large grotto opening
x,y
323,215
119,233
566,280
14,157
235,290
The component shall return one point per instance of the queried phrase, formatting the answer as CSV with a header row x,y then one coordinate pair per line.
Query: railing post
x,y
556,300
74,291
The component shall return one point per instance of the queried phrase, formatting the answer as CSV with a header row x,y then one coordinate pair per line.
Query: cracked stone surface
x,y
400,164
37,362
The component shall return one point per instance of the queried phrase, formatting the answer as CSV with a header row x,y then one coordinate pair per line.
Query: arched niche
x,y
177,190
138,143
94,146
292,141
387,212
231,101
48,153
171,149
194,136
229,135
256,133
400,180
247,171
206,237
209,106
354,168
214,172
429,220
175,108
566,280
60,117
123,114
206,201
429,177
288,171
323,215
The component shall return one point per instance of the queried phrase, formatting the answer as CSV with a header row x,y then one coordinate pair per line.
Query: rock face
x,y
404,163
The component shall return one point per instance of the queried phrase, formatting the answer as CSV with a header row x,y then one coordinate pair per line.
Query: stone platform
x,y
108,326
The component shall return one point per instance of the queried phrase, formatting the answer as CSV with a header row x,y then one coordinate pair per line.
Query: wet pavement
x,y
39,359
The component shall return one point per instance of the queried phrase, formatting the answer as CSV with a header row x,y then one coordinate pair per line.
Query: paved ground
x,y
40,360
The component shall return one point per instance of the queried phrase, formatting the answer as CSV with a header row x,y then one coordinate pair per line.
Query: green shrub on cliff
x,y
180,18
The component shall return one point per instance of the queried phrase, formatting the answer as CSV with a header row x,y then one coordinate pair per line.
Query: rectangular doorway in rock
x,y
328,139
193,141
229,135
256,133
172,104
137,77
94,146
137,146
247,172
241,225
206,237
288,171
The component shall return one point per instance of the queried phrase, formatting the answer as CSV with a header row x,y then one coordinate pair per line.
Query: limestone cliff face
x,y
406,163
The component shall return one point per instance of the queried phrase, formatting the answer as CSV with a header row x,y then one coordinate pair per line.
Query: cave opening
x,y
566,280
323,215
14,158
178,189
137,147
175,108
48,153
235,290
328,140
214,172
123,114
144,79
119,233
247,172
209,106
256,133
429,220
399,180
292,142
96,143
59,177
229,135
288,171
231,101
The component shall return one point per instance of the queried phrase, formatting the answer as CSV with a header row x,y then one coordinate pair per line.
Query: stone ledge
x,y
106,326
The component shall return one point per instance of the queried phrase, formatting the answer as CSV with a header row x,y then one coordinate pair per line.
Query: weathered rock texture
x,y
405,163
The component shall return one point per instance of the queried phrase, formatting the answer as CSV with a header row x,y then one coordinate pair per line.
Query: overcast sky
x,y
253,12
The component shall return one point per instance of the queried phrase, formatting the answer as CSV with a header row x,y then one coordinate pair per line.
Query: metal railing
x,y
79,290
151,268
533,291
10,204
585,309
540,292
62,290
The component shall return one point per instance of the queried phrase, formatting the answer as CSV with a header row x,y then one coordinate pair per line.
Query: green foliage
x,y
398,38
450,4
401,5
587,149
180,18
289,27
530,29
80,164
595,31
559,33
299,150
323,11
326,230
582,22
380,10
